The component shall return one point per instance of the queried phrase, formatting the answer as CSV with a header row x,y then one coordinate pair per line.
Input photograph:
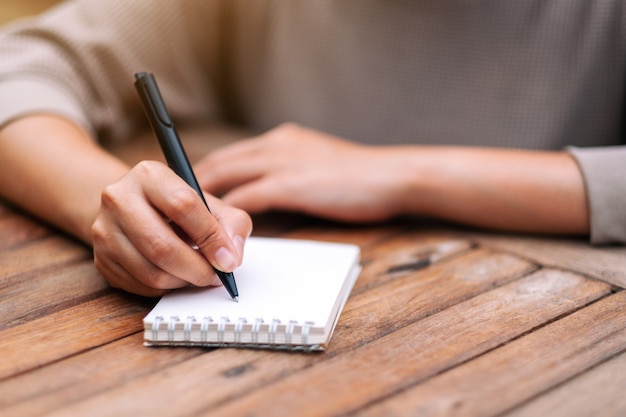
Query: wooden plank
x,y
37,392
344,382
16,230
71,331
387,252
57,289
187,387
405,255
385,239
529,366
471,273
598,392
606,263
421,293
20,262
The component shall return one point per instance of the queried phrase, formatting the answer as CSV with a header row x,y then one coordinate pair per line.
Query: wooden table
x,y
442,321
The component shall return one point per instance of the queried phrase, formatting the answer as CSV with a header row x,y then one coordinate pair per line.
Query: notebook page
x,y
284,279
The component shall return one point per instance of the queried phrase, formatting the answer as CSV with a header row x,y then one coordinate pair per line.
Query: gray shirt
x,y
535,74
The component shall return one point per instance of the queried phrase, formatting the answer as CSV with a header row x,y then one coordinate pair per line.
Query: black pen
x,y
173,150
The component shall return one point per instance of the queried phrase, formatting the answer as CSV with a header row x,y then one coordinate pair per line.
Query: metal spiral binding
x,y
306,328
256,328
155,327
289,331
272,331
188,326
221,327
171,328
239,329
204,328
207,323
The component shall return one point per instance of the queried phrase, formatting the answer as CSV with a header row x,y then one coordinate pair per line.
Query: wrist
x,y
61,171
409,179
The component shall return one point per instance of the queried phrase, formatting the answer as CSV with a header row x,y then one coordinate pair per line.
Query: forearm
x,y
502,189
299,169
53,169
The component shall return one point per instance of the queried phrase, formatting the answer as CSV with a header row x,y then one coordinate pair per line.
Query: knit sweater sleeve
x,y
604,173
78,61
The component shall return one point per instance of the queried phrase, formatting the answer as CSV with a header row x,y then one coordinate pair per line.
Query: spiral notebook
x,y
291,293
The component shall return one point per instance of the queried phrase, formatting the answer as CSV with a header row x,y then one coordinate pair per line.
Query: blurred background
x,y
13,9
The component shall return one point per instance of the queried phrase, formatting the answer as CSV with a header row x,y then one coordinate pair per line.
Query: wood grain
x,y
17,230
598,392
443,321
193,385
512,374
77,377
404,254
419,294
57,289
19,264
345,383
605,263
69,332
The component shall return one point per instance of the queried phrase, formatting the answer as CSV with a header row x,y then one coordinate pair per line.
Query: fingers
x,y
235,222
248,160
180,203
288,149
229,167
119,277
297,169
264,194
137,249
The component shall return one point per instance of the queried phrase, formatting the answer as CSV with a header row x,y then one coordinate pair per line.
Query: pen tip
x,y
236,299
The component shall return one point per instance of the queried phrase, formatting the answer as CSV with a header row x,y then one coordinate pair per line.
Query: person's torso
x,y
521,73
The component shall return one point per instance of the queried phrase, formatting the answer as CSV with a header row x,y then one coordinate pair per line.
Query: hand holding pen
x,y
173,151
135,246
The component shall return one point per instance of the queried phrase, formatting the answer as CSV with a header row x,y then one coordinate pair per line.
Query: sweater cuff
x,y
604,174
22,97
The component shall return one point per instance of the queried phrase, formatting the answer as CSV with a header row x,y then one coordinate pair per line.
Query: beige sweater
x,y
539,74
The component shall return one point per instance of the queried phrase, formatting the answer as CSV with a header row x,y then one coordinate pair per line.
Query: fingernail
x,y
225,260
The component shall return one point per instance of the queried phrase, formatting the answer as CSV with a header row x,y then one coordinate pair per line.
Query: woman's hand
x,y
293,168
147,224
297,169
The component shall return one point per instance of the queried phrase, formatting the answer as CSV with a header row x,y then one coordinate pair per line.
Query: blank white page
x,y
283,279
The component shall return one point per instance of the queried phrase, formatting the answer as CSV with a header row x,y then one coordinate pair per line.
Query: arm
x,y
292,168
529,191
67,76
51,167
124,213
77,62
